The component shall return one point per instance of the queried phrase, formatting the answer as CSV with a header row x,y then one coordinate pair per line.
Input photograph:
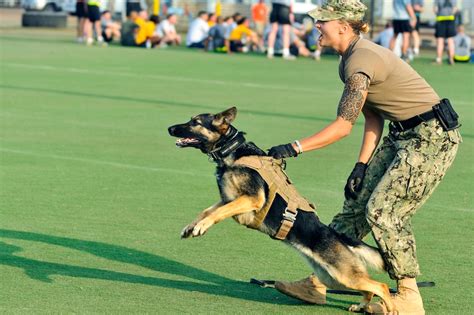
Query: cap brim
x,y
320,14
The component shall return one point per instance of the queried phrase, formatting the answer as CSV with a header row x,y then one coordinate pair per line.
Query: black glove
x,y
282,151
354,182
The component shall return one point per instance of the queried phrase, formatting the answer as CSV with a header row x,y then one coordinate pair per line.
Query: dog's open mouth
x,y
185,142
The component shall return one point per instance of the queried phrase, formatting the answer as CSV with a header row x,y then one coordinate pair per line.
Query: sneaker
x,y
316,55
437,62
289,57
89,41
308,290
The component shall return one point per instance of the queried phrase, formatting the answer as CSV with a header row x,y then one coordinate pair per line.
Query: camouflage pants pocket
x,y
420,176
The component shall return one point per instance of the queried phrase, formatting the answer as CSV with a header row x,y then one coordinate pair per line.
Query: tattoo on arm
x,y
353,97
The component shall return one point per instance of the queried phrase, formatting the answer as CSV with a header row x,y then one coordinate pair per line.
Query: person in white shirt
x,y
462,46
167,31
198,31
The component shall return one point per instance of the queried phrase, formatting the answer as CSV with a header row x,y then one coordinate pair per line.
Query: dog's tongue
x,y
185,141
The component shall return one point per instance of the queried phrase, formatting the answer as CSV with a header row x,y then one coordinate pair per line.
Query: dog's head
x,y
203,131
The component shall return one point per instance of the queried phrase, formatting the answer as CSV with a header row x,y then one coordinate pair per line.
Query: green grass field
x,y
94,192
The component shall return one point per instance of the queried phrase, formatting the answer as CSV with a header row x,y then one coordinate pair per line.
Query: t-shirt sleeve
x,y
367,62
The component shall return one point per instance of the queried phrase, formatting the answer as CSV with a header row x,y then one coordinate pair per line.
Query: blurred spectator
x,y
217,37
462,46
129,30
280,15
404,21
418,8
445,28
110,29
311,39
384,37
211,20
235,18
198,31
259,17
93,12
82,20
242,38
145,35
167,31
229,26
135,5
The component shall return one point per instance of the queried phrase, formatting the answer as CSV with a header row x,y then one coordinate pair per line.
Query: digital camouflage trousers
x,y
402,174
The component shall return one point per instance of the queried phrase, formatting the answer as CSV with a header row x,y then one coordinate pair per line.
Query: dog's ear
x,y
224,119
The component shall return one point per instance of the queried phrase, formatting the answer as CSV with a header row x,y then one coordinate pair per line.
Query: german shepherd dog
x,y
338,261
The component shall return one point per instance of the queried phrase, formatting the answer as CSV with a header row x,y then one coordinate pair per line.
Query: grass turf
x,y
94,193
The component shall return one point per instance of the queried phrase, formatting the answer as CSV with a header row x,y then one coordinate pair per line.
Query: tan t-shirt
x,y
396,91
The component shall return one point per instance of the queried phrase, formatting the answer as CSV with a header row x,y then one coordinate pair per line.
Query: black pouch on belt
x,y
446,115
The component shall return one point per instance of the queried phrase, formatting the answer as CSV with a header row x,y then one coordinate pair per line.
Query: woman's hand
x,y
354,182
283,151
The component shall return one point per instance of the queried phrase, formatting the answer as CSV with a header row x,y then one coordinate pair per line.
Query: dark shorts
x,y
280,14
236,46
200,44
93,12
80,10
445,29
401,26
106,38
133,6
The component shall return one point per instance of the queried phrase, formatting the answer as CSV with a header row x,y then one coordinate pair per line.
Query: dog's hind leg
x,y
188,229
238,206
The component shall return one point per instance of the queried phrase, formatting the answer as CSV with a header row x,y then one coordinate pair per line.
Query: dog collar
x,y
231,142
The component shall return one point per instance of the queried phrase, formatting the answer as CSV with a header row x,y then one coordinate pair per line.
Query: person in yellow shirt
x,y
145,36
242,38
212,20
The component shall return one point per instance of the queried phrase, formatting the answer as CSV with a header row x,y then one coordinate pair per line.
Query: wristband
x,y
300,148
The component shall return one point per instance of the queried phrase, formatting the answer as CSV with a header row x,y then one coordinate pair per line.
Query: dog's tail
x,y
370,256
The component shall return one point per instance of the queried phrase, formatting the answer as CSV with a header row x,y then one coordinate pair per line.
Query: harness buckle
x,y
289,216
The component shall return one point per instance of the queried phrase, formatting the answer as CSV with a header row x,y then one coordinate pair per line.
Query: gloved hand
x,y
282,151
354,182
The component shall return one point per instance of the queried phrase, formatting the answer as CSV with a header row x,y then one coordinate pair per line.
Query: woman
x,y
389,184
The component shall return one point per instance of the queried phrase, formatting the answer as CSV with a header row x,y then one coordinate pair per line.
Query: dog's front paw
x,y
188,230
202,227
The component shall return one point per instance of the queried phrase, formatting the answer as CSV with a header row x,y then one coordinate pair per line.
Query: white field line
x,y
108,163
161,77
172,170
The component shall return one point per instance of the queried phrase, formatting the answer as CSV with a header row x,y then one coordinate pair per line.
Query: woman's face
x,y
330,33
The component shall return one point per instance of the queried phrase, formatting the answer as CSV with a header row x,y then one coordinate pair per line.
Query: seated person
x,y
198,31
297,46
217,36
145,36
110,29
129,30
242,37
167,31
462,46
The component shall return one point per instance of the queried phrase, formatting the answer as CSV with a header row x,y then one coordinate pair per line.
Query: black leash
x,y
271,284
